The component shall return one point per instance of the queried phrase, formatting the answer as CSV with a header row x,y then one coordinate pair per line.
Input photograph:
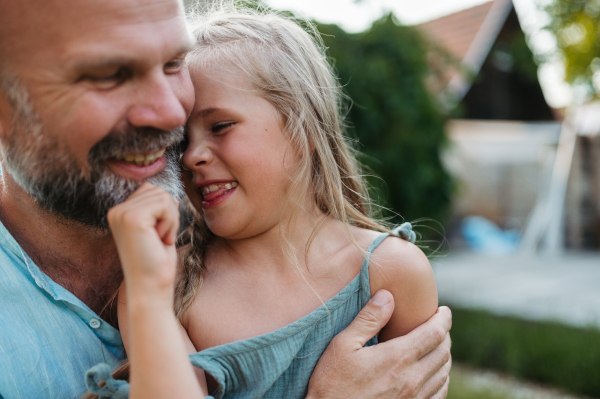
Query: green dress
x,y
279,364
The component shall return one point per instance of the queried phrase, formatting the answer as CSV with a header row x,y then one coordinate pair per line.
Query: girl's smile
x,y
239,158
216,192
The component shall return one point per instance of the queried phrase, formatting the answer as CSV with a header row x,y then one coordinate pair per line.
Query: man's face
x,y
93,91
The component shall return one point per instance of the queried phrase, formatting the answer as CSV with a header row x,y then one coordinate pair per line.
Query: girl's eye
x,y
221,126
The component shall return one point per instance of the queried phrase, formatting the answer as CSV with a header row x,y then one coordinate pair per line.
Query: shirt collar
x,y
105,332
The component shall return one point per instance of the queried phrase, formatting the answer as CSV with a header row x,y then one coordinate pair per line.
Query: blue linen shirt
x,y
48,337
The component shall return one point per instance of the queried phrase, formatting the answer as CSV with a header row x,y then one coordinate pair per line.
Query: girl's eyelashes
x,y
217,128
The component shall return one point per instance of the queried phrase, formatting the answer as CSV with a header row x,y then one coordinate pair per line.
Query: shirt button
x,y
95,323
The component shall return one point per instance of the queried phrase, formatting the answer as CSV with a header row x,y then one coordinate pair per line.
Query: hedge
x,y
546,352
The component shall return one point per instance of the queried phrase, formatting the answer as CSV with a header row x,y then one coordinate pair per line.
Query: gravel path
x,y
565,288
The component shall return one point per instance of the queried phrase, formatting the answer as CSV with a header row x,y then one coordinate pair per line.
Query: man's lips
x,y
138,166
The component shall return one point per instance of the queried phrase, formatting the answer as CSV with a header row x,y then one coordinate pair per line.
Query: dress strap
x,y
403,231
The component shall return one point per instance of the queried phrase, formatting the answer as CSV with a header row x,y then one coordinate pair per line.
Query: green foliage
x,y
394,117
576,25
546,352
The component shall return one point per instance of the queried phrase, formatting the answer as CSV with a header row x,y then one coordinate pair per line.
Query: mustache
x,y
135,140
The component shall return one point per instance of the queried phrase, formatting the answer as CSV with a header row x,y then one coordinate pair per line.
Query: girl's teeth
x,y
214,187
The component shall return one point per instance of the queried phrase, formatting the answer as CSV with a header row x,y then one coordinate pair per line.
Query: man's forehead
x,y
77,11
49,23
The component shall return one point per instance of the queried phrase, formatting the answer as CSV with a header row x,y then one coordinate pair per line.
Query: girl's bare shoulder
x,y
403,269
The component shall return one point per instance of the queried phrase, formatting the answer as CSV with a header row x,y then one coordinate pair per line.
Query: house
x,y
504,137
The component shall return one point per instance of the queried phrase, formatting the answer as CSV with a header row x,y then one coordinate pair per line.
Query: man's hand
x,y
412,366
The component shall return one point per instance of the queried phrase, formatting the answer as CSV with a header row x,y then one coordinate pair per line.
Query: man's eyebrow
x,y
203,113
102,63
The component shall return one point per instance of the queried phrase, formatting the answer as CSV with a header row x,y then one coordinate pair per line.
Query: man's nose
x,y
157,103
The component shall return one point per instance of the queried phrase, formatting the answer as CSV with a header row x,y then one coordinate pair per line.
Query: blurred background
x,y
480,122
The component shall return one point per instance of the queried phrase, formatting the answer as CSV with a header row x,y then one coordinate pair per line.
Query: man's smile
x,y
138,167
141,159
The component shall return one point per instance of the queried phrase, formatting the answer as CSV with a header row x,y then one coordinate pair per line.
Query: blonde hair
x,y
288,66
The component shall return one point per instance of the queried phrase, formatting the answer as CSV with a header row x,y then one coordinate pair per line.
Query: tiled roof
x,y
456,32
468,35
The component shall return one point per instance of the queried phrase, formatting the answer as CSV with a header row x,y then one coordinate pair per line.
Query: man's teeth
x,y
214,187
142,159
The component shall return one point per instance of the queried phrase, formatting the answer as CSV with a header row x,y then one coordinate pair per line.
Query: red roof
x,y
456,32
468,35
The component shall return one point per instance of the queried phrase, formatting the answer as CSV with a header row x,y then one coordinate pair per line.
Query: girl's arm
x,y
403,269
145,228
123,314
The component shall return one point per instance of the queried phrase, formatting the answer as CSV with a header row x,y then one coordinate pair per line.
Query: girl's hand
x,y
145,228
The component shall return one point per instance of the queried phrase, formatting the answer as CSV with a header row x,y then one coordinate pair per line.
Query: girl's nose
x,y
196,155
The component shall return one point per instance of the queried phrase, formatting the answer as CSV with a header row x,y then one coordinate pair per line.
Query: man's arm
x,y
414,366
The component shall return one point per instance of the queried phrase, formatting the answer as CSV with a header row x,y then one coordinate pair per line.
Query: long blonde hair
x,y
287,65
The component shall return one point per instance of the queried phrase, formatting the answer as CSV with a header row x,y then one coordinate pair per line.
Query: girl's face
x,y
238,157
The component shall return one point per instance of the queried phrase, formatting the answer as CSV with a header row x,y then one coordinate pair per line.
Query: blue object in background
x,y
483,236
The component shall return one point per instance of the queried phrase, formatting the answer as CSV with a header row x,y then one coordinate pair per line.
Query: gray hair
x,y
50,174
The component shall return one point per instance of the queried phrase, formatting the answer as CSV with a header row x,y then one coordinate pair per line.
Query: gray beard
x,y
49,173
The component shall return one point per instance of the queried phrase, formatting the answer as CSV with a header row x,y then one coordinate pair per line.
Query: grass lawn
x,y
469,383
546,353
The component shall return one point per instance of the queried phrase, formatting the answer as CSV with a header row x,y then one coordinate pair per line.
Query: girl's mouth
x,y
216,193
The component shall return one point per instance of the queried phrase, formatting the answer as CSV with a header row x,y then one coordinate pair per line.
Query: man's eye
x,y
174,65
219,127
108,81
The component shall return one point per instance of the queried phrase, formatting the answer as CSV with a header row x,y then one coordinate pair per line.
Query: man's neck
x,y
83,260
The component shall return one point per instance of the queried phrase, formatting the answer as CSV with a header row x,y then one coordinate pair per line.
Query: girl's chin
x,y
218,227
227,231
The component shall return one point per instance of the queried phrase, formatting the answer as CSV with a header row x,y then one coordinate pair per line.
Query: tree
x,y
396,119
576,25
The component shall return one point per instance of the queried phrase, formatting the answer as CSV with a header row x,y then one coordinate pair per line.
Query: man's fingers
x,y
435,384
370,320
443,392
435,362
430,334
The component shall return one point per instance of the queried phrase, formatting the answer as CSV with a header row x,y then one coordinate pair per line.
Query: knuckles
x,y
411,389
130,213
369,318
439,334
